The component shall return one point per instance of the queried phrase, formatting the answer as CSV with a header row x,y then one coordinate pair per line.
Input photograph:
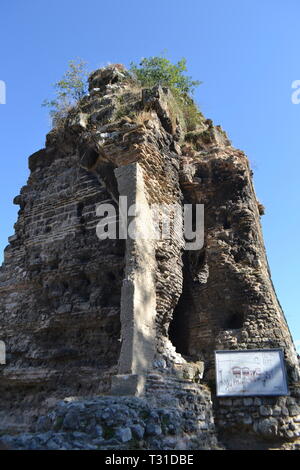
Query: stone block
x,y
268,427
265,410
257,401
294,410
128,384
123,434
248,401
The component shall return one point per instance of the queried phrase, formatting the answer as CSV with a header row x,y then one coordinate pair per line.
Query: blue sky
x,y
245,52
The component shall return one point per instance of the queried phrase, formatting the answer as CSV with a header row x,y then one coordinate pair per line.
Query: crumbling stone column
x,y
138,298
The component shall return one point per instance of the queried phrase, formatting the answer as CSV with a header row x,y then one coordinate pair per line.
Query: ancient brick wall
x,y
61,287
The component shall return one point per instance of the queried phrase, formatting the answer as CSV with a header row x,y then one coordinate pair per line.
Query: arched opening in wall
x,y
185,327
178,333
179,329
226,222
234,321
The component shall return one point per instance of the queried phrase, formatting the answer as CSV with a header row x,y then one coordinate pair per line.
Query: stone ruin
x,y
110,343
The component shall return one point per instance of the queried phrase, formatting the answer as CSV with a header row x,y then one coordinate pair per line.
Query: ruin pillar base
x,y
128,384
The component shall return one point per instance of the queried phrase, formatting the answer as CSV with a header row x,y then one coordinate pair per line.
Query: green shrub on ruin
x,y
68,91
160,71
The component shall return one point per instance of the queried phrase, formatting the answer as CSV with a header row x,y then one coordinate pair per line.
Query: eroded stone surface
x,y
61,287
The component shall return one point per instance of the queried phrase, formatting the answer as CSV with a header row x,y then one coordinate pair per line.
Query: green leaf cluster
x,y
160,71
69,90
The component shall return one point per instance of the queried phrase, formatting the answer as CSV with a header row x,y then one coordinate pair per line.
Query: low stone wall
x,y
267,417
117,423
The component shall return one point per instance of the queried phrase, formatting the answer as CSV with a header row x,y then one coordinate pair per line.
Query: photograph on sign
x,y
250,372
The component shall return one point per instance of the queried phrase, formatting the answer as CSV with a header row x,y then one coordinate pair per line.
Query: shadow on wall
x,y
179,329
